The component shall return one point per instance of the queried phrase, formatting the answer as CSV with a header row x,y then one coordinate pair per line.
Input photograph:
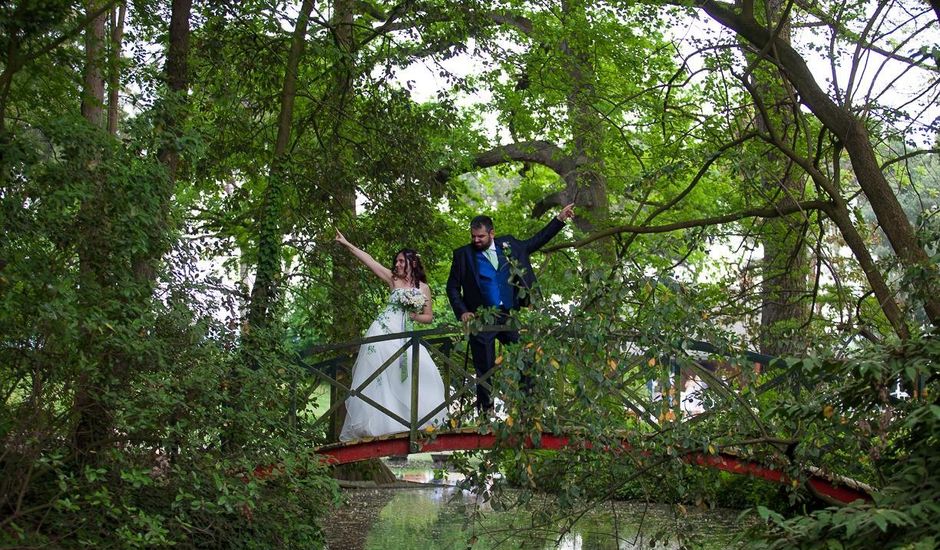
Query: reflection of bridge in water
x,y
460,387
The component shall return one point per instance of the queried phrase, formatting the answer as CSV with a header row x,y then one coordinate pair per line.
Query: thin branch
x,y
910,155
850,35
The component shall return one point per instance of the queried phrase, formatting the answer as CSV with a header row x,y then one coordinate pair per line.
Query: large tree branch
x,y
370,9
546,203
540,152
788,59
392,24
769,212
522,24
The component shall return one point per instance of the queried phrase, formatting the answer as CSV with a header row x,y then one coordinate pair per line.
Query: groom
x,y
480,277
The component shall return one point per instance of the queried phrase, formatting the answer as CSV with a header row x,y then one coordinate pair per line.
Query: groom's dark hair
x,y
482,222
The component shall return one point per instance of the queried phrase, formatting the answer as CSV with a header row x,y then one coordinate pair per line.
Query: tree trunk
x,y
264,297
263,300
784,310
177,80
114,66
344,288
586,184
93,417
785,267
172,114
93,88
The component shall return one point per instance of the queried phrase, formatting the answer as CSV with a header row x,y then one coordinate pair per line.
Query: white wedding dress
x,y
391,388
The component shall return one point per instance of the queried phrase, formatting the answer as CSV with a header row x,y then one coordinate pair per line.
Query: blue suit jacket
x,y
463,284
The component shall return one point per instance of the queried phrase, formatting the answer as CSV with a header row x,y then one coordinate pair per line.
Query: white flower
x,y
411,300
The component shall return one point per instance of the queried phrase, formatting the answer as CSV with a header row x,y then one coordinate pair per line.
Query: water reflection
x,y
445,517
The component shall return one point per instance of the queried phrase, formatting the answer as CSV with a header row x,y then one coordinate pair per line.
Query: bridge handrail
x,y
444,330
415,338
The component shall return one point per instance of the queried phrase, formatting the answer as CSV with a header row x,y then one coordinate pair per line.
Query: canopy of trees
x,y
761,175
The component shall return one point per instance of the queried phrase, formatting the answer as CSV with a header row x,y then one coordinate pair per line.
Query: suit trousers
x,y
483,350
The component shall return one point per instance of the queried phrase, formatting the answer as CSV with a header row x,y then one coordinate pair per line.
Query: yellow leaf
x,y
670,416
499,360
429,429
509,421
711,449
554,362
612,363
529,345
828,411
528,469
538,426
651,362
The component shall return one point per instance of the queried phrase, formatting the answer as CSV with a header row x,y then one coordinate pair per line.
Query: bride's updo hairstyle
x,y
413,261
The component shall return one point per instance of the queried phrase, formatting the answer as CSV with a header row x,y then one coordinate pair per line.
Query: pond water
x,y
445,517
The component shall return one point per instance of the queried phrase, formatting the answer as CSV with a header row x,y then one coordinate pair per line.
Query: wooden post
x,y
412,440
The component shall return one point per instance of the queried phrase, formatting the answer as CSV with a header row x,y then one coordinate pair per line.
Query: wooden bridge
x,y
460,385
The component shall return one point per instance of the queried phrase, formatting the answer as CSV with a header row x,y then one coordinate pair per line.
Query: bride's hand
x,y
340,238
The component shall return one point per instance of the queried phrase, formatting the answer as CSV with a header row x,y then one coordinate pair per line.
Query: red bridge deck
x,y
833,489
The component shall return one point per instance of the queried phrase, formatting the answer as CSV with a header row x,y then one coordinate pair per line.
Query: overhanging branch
x,y
769,212
541,152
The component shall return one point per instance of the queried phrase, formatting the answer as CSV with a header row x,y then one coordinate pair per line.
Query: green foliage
x,y
119,418
897,438
74,310
139,403
834,413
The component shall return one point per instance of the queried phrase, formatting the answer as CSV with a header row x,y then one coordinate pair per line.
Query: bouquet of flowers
x,y
411,300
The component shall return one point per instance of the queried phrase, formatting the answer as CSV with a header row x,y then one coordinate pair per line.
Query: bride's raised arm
x,y
380,270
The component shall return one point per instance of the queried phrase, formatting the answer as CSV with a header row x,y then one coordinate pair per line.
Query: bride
x,y
409,301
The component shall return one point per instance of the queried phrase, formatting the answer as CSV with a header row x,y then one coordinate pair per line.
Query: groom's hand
x,y
466,317
566,213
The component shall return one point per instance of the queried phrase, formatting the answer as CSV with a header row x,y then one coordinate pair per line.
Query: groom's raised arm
x,y
454,284
539,240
